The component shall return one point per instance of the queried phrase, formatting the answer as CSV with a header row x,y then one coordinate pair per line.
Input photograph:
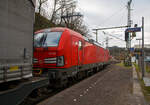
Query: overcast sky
x,y
109,13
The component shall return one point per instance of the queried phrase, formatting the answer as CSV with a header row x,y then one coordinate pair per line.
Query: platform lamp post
x,y
143,66
139,63
139,39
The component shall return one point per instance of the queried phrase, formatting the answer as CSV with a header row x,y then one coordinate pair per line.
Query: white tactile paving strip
x,y
137,91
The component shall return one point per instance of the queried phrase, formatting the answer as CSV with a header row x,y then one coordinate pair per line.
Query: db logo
x,y
40,62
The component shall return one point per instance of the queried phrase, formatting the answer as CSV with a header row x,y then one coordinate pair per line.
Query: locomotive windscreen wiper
x,y
39,39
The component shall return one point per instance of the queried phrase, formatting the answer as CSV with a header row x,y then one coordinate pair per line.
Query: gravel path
x,y
112,86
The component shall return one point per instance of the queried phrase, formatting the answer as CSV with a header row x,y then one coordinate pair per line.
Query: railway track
x,y
32,99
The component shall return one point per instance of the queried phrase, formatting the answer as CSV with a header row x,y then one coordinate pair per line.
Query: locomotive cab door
x,y
77,51
80,52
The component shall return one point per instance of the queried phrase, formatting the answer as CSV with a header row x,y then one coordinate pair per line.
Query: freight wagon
x,y
16,29
16,51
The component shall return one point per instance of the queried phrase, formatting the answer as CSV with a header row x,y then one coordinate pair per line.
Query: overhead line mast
x,y
128,44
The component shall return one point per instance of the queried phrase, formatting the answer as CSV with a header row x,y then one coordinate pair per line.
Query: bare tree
x,y
60,7
41,2
64,14
56,8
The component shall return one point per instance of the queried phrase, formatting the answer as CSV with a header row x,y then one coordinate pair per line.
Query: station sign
x,y
132,49
137,29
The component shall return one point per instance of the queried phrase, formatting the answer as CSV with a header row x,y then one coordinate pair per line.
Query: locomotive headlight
x,y
35,60
60,61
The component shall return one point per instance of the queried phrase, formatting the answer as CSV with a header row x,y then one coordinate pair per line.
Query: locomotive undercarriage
x,y
60,78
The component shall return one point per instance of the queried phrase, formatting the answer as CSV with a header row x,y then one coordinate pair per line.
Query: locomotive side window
x,y
80,45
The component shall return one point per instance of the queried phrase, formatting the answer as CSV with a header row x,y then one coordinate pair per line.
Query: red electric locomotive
x,y
63,54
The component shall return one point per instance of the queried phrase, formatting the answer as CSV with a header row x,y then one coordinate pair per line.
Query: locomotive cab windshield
x,y
46,44
49,39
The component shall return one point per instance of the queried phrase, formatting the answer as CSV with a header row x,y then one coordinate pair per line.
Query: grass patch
x,y
147,69
121,64
136,67
145,89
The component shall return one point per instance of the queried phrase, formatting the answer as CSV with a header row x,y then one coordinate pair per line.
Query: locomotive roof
x,y
58,29
51,29
71,31
61,29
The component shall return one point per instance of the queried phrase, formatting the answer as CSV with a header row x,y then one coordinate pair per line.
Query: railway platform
x,y
114,85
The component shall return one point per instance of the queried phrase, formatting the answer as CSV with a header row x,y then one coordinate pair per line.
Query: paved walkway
x,y
114,86
137,91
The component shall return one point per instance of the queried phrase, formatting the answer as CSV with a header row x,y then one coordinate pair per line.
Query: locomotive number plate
x,y
13,68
